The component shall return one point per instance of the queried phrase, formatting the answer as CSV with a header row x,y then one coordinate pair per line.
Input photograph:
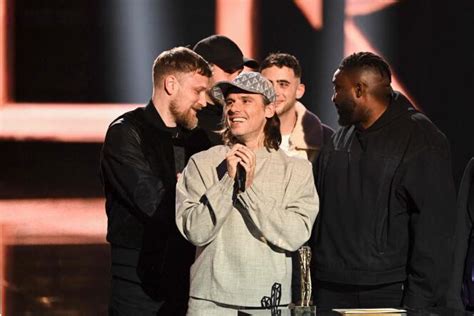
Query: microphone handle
x,y
241,177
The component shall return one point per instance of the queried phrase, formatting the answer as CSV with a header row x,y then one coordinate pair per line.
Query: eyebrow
x,y
242,96
246,97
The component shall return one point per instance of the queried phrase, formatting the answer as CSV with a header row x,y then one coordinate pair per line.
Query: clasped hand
x,y
246,157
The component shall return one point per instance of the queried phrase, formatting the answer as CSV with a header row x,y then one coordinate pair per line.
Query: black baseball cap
x,y
223,52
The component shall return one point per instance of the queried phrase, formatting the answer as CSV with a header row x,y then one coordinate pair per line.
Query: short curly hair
x,y
281,60
364,60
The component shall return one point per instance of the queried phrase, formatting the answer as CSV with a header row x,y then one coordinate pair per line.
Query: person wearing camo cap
x,y
244,233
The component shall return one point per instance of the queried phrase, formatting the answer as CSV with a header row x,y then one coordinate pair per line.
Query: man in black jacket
x,y
140,160
383,237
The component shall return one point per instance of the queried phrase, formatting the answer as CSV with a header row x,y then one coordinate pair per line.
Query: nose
x,y
202,99
234,107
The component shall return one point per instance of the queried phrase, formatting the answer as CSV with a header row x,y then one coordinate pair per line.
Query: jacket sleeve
x,y
462,236
432,207
126,171
287,227
202,210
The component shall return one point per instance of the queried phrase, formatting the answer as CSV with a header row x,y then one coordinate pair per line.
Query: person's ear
x,y
300,91
270,110
359,89
170,84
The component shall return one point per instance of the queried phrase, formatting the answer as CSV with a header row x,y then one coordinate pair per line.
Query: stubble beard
x,y
346,113
284,108
186,119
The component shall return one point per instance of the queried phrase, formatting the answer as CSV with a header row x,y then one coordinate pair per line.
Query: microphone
x,y
241,177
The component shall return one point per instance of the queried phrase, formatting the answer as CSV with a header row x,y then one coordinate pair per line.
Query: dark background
x,y
102,51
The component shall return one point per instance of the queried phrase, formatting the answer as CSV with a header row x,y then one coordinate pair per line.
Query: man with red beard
x,y
140,159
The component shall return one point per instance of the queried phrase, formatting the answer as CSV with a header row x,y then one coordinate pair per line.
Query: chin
x,y
235,132
282,109
190,122
193,124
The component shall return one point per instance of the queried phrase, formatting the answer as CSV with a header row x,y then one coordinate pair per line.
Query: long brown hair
x,y
271,130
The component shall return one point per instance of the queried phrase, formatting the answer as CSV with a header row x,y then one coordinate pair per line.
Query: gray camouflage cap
x,y
252,82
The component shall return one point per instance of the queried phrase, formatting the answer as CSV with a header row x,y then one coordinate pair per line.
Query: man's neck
x,y
288,121
253,143
375,113
162,106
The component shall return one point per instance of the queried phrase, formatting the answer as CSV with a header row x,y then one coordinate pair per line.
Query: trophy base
x,y
303,310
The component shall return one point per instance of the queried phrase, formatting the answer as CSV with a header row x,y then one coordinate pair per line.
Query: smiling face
x,y
189,97
246,115
288,87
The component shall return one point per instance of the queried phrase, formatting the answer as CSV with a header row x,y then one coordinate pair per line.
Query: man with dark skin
x,y
372,91
383,237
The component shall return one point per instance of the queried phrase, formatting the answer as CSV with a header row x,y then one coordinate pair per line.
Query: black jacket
x,y
387,208
138,170
463,264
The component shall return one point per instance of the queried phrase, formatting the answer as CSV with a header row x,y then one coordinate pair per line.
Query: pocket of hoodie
x,y
382,201
381,231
